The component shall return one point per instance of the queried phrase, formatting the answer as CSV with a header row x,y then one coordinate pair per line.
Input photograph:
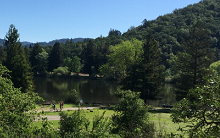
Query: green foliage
x,y
73,97
76,125
195,59
90,53
17,61
74,64
2,54
100,127
16,116
122,57
34,61
200,109
72,125
216,66
55,58
46,130
42,60
61,70
114,32
131,118
146,74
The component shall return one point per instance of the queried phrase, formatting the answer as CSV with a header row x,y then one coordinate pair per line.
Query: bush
x,y
72,125
17,108
200,109
61,70
73,97
131,118
76,125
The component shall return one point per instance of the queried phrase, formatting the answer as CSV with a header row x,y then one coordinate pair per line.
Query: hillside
x,y
62,41
169,29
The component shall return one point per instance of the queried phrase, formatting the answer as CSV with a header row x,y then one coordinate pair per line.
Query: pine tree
x,y
35,51
152,69
196,57
89,57
2,54
146,76
17,62
55,58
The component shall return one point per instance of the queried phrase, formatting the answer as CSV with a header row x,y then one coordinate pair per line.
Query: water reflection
x,y
91,91
167,96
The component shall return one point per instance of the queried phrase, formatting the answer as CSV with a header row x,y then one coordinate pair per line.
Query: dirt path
x,y
57,117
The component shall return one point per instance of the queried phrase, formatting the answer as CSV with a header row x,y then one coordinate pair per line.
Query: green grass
x,y
89,115
47,107
163,123
162,120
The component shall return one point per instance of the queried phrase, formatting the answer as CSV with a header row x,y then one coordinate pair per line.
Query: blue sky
x,y
47,20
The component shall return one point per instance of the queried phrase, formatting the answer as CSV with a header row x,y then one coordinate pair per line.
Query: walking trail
x,y
57,117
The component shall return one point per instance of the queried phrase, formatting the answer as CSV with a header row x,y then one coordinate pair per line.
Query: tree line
x,y
174,46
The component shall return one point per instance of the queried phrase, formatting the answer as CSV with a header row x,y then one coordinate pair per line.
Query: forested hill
x,y
171,28
75,40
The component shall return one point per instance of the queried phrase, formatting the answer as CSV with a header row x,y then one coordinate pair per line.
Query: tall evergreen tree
x,y
34,62
17,62
152,68
89,57
55,58
196,57
146,76
2,54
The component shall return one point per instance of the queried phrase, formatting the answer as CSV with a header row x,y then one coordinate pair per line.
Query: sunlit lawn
x,y
161,120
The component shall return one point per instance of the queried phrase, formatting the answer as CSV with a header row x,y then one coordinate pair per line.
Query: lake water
x,y
90,91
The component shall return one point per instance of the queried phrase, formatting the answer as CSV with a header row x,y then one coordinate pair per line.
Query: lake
x,y
90,91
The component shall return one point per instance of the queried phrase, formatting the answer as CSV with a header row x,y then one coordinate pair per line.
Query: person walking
x,y
54,106
61,105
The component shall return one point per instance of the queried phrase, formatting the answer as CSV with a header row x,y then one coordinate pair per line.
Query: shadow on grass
x,y
160,110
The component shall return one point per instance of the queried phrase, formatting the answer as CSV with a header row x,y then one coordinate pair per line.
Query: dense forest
x,y
104,55
181,47
169,30
96,56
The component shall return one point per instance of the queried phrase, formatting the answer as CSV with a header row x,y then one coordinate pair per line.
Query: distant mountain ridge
x,y
25,43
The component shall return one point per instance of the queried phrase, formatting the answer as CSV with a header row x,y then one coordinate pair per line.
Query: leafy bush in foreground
x,y
131,118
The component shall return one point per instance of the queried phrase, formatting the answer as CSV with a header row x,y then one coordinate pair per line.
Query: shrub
x,y
61,70
131,118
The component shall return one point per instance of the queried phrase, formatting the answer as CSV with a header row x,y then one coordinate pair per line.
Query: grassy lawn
x,y
163,123
46,107
162,120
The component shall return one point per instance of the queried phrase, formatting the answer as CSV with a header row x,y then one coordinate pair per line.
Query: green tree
x,y
16,118
131,118
201,114
122,57
89,56
216,67
55,58
77,125
2,54
34,62
72,125
42,60
17,62
195,59
152,68
74,64
114,32
61,70
146,74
